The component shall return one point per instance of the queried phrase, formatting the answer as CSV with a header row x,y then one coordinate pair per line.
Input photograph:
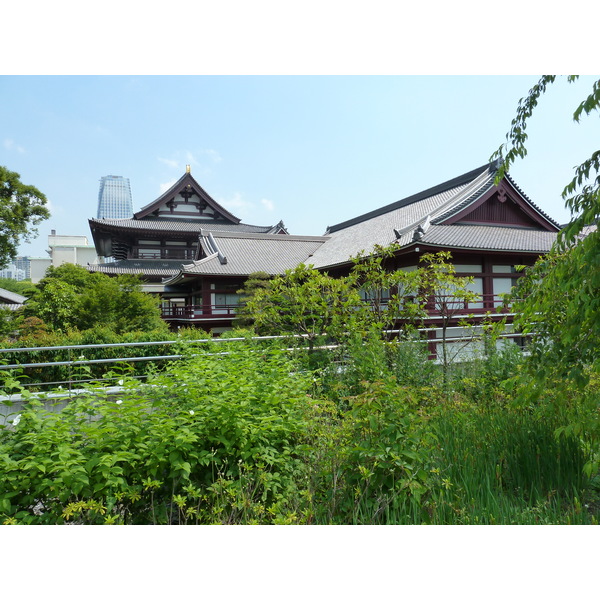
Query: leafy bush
x,y
245,432
375,464
217,442
70,297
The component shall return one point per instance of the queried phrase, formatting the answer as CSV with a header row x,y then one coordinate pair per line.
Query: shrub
x,y
218,442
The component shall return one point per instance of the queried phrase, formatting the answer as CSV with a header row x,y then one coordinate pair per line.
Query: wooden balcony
x,y
163,254
482,304
449,304
210,312
198,312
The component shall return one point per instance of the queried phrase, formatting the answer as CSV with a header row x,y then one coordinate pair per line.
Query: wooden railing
x,y
483,304
163,253
199,311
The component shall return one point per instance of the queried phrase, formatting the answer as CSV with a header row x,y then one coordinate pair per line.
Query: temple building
x,y
163,236
197,254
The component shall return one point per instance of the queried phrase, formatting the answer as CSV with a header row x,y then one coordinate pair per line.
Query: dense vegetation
x,y
262,435
69,297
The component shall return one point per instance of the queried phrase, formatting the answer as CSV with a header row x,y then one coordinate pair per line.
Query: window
x,y
503,269
502,285
468,268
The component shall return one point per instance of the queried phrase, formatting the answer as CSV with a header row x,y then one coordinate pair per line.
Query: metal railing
x,y
431,336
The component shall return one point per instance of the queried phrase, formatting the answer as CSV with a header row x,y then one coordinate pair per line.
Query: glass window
x,y
503,269
224,302
468,268
502,285
476,286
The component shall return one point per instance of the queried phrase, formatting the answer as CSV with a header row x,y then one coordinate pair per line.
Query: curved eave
x,y
426,247
178,228
175,279
554,224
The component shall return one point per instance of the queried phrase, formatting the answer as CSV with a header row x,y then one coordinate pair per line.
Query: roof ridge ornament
x,y
220,255
188,168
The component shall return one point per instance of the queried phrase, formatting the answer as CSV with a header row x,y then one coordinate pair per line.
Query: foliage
x,y
390,295
70,297
7,321
55,303
218,445
449,296
21,207
307,302
375,464
560,304
108,345
504,465
371,299
259,280
563,290
240,433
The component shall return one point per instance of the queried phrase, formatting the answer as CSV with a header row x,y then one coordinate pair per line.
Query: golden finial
x,y
188,169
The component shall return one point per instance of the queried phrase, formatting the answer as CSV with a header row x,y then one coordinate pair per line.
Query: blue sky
x,y
310,150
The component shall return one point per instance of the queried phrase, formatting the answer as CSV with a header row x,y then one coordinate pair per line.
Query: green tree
x,y
259,280
307,302
55,304
21,208
72,297
391,295
562,291
449,296
7,322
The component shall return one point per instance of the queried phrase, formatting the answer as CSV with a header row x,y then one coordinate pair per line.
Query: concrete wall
x,y
73,249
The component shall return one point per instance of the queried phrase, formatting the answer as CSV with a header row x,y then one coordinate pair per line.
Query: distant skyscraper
x,y
114,198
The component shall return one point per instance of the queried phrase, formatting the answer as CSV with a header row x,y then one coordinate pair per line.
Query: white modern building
x,y
74,249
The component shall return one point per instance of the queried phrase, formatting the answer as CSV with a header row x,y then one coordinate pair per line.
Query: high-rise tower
x,y
114,198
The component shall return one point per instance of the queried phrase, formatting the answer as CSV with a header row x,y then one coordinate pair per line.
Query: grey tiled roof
x,y
153,268
455,207
537,208
419,219
179,225
486,237
242,254
8,297
396,223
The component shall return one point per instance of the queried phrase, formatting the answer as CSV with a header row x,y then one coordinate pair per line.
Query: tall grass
x,y
507,467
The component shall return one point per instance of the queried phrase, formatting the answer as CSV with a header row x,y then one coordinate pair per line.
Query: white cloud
x,y
241,208
268,204
174,164
190,159
213,155
165,186
10,145
181,158
236,203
